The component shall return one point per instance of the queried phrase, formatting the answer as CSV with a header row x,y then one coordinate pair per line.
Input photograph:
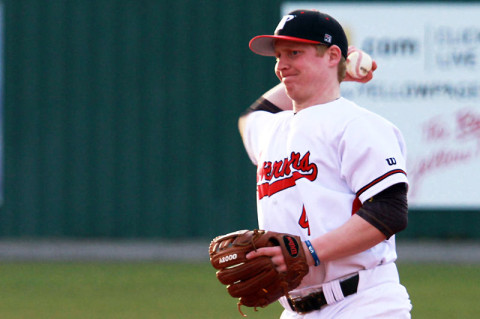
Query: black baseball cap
x,y
305,26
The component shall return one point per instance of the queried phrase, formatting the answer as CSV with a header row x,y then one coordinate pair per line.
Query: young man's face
x,y
301,69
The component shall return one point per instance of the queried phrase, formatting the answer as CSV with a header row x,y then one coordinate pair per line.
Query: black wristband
x,y
262,104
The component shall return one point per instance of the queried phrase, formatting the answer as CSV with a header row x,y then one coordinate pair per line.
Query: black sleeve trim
x,y
262,104
388,210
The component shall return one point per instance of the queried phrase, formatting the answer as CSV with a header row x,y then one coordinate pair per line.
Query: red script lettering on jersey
x,y
285,173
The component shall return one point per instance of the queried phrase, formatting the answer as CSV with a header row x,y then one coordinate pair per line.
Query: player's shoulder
x,y
268,117
259,122
339,111
355,112
350,108
341,106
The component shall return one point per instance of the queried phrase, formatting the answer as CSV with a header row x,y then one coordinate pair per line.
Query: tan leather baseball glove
x,y
256,282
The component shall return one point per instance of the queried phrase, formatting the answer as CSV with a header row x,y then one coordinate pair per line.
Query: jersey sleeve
x,y
373,156
257,126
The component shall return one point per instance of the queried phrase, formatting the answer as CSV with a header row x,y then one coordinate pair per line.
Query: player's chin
x,y
290,86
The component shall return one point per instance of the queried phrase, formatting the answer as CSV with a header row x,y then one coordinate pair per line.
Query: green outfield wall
x,y
119,120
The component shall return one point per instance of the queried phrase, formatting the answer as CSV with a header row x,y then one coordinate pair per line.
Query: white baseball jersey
x,y
316,167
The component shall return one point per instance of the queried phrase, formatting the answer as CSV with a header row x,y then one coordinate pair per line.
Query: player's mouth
x,y
287,77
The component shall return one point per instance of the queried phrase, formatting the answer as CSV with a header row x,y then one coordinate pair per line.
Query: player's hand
x,y
273,252
255,272
365,79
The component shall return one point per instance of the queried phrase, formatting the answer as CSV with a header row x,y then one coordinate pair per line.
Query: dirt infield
x,y
90,250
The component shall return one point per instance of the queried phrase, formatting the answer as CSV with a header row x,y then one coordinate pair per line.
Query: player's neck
x,y
326,96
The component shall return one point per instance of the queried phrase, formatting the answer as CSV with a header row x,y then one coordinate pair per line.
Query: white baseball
x,y
359,64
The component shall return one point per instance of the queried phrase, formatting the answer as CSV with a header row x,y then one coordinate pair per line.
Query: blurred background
x,y
119,142
119,118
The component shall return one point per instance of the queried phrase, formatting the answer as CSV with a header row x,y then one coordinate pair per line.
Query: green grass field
x,y
182,290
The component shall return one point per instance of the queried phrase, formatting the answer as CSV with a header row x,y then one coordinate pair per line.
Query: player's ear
x,y
335,54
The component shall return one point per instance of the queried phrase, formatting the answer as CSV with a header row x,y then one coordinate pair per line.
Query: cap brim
x,y
264,44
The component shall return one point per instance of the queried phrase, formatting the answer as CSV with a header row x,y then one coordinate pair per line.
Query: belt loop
x,y
337,292
329,291
333,292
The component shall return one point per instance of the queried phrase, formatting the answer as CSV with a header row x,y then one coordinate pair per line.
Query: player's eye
x,y
294,53
290,54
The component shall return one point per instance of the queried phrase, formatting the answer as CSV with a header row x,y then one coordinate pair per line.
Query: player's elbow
x,y
241,125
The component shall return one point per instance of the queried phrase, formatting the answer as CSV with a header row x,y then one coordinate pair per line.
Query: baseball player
x,y
330,172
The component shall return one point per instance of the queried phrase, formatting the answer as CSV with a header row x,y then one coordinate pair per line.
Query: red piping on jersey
x,y
357,204
378,180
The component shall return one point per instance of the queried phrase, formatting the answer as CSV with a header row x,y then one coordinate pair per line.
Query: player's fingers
x,y
279,262
366,78
264,251
369,75
275,253
351,49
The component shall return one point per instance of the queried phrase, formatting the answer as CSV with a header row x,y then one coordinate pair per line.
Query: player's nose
x,y
280,66
281,63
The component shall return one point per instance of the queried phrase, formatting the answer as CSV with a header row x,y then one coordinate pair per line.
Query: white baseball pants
x,y
379,295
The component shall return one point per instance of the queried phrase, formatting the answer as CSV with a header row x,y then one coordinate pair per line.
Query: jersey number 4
x,y
303,221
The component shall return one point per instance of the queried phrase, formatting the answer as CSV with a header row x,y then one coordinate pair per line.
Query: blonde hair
x,y
342,65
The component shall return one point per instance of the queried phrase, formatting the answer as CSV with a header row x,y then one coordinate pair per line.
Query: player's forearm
x,y
241,125
353,237
278,96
